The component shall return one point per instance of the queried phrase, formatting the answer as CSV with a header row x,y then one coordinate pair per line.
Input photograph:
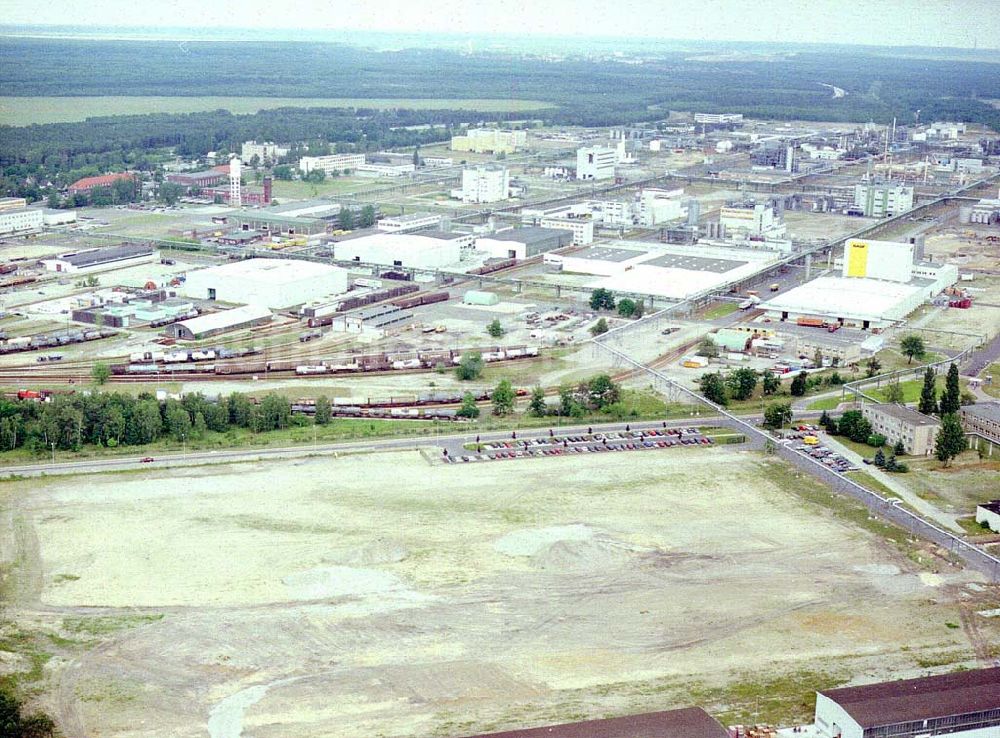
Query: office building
x,y
982,419
899,423
12,203
267,153
596,162
581,228
22,220
718,118
331,163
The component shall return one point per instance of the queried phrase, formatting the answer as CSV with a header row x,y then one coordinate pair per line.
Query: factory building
x,y
890,260
523,243
581,228
883,200
660,206
880,286
857,302
964,704
305,218
900,423
690,722
407,223
53,217
674,272
92,260
224,321
198,180
21,220
12,203
331,163
490,141
420,250
752,219
596,162
266,283
484,183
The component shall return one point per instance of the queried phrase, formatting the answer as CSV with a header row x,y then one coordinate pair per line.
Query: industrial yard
x,y
438,600
436,421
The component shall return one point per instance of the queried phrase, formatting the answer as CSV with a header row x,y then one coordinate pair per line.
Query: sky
x,y
957,23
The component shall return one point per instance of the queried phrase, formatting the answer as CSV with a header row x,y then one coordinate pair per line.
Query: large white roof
x,y
225,318
270,271
849,297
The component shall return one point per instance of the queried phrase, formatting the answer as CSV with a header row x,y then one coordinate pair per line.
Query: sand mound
x,y
590,555
376,552
340,581
533,541
577,547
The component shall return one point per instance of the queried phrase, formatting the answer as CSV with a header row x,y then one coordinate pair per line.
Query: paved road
x,y
452,441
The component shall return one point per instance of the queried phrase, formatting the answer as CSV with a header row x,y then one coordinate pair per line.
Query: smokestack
x,y
267,190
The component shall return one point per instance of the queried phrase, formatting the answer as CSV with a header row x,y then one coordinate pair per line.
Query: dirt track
x,y
382,595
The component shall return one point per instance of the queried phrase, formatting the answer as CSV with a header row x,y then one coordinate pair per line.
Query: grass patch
x,y
720,310
827,403
867,480
971,527
105,625
23,111
783,700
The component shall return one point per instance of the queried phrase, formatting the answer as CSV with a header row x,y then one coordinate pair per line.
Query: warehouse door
x,y
211,293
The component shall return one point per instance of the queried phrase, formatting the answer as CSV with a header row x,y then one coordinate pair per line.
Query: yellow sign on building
x,y
857,259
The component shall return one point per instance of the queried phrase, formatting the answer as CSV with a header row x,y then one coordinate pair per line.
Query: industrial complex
x,y
739,376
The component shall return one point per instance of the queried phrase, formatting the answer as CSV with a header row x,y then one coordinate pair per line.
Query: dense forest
x,y
585,91
588,91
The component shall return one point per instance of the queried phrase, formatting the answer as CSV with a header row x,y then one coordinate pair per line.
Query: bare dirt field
x,y
386,595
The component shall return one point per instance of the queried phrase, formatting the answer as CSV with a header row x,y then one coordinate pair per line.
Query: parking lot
x,y
821,453
586,443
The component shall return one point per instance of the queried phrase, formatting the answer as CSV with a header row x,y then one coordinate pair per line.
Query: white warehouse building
x,y
421,250
266,283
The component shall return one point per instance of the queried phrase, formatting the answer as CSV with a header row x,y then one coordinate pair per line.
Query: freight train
x,y
50,340
153,363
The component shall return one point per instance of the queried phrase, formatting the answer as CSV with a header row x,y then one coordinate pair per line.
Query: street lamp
x,y
53,452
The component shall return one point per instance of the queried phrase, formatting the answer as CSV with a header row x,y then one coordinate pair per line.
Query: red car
x,y
147,459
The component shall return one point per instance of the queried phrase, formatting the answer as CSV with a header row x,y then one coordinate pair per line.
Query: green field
x,y
298,190
23,111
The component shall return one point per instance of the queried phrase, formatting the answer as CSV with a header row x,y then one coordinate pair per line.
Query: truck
x,y
775,287
810,322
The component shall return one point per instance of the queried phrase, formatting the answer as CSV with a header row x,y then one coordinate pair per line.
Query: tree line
x,y
111,419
